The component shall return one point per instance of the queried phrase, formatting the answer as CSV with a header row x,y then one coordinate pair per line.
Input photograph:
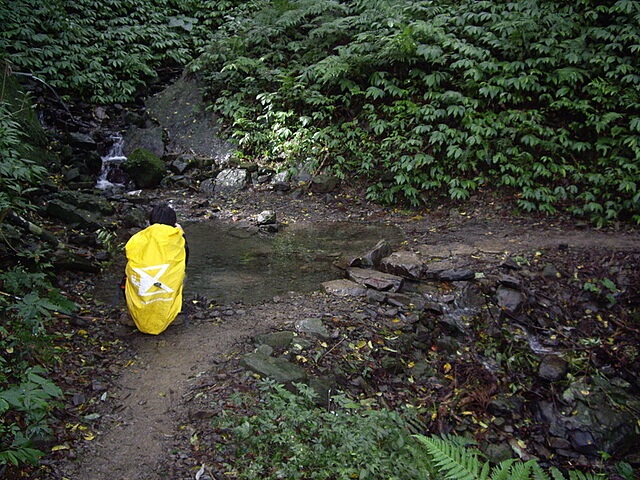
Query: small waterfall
x,y
111,173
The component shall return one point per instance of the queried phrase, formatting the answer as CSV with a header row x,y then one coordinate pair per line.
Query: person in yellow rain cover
x,y
155,271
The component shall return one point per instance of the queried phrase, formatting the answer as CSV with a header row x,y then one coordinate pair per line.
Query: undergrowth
x,y
424,99
289,435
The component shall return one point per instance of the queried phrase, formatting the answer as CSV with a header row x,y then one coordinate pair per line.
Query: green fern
x,y
456,461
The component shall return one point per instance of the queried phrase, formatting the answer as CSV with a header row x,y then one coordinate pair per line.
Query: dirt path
x,y
147,400
138,433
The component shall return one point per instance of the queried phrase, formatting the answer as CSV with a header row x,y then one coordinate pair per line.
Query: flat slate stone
x,y
375,279
344,288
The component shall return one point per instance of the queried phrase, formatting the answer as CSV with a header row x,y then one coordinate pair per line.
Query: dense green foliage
x,y
27,301
536,98
27,396
290,436
18,175
105,51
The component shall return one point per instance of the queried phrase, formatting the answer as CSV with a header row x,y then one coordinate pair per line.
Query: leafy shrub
x,y
291,437
539,99
27,397
18,175
24,411
107,51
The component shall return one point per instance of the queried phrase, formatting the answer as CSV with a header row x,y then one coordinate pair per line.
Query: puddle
x,y
230,263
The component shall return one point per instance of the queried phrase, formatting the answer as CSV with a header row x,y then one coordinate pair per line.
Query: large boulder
x,y
145,168
189,126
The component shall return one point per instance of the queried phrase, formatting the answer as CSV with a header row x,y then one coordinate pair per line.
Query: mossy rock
x,y
145,168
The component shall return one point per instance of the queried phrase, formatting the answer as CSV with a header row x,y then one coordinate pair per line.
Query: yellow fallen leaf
x,y
361,344
57,448
446,367
89,436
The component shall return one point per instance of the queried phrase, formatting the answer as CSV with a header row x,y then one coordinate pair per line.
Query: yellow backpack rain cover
x,y
156,263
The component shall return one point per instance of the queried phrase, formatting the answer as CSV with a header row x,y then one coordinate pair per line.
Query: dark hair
x,y
164,214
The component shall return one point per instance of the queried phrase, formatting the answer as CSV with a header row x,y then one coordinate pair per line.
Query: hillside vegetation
x,y
539,99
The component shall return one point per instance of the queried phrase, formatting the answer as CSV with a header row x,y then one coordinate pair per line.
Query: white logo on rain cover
x,y
147,281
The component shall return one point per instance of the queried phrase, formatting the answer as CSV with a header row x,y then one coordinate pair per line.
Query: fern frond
x,y
539,473
502,471
452,460
522,470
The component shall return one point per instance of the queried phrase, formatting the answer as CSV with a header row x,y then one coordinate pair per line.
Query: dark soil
x,y
140,406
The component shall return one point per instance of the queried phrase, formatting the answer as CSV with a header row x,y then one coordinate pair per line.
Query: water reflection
x,y
230,263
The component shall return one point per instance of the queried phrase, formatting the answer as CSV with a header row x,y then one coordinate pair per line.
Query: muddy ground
x,y
140,406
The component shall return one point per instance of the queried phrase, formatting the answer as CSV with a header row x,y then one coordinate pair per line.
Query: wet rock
x,y
510,281
86,201
435,268
134,217
72,215
277,369
325,388
456,275
374,256
469,297
407,302
63,260
208,186
404,264
181,164
266,217
313,327
82,140
375,296
509,299
230,180
552,368
510,264
151,139
549,271
281,186
506,406
583,442
590,421
498,452
434,251
375,279
189,126
145,168
344,288
324,184
276,339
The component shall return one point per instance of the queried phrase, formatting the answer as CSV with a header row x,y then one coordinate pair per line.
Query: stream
x,y
230,263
